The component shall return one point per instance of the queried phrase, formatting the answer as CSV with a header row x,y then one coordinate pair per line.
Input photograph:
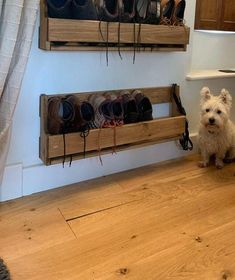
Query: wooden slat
x,y
132,133
43,29
43,141
110,150
62,30
159,47
156,95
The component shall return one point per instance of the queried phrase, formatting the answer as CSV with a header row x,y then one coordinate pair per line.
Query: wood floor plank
x,y
128,239
212,258
171,221
31,231
81,206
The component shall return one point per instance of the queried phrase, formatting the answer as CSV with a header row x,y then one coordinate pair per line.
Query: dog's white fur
x,y
216,132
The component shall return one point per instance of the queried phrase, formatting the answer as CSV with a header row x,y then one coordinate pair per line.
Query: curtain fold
x,y
17,22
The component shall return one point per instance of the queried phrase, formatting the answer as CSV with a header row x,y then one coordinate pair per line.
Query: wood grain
x,y
133,133
180,225
92,31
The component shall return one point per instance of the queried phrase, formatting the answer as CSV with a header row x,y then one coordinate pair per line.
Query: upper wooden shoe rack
x,y
91,35
127,136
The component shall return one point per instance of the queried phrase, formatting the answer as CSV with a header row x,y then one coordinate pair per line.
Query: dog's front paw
x,y
202,164
219,163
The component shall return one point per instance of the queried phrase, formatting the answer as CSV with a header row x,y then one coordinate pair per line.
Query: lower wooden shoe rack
x,y
127,136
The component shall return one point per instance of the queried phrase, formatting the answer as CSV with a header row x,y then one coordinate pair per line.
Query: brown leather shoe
x,y
83,114
60,115
54,118
144,106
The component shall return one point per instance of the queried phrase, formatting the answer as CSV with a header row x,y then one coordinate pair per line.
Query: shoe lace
x,y
99,145
107,43
119,33
139,37
114,138
165,21
134,44
84,133
64,146
105,40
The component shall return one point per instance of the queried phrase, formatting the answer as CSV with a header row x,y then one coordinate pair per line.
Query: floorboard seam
x,y
101,210
67,223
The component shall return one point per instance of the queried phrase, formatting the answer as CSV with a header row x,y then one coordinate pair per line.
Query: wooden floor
x,y
168,221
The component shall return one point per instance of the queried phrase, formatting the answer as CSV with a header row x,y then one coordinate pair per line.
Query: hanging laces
x,y
84,133
105,40
134,44
107,43
119,39
64,157
185,141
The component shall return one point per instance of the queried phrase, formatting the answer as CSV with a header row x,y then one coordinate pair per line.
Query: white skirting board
x,y
20,181
11,186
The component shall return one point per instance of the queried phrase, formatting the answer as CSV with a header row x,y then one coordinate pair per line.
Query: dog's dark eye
x,y
219,112
207,110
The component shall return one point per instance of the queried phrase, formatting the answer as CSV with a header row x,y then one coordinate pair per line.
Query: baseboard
x,y
12,185
40,177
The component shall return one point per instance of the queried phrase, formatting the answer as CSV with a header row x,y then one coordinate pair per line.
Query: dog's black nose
x,y
211,120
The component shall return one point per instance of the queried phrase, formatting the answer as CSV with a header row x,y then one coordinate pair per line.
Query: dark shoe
x,y
130,108
167,9
59,8
84,10
87,114
144,106
83,114
148,11
59,116
108,10
116,108
178,14
127,10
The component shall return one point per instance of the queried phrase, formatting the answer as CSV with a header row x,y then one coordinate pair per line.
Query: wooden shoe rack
x,y
127,136
72,35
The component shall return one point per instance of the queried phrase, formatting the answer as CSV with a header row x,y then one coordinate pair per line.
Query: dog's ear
x,y
205,94
225,97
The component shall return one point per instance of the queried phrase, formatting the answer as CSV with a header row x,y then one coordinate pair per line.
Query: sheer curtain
x,y
17,22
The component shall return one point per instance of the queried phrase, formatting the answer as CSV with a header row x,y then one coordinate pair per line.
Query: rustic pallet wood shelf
x,y
127,137
68,34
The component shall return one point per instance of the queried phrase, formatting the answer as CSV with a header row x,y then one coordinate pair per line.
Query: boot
x,y
59,8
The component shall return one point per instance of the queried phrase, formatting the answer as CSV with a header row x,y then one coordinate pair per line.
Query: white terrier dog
x,y
217,132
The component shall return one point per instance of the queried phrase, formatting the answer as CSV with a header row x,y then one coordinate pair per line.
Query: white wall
x,y
64,72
